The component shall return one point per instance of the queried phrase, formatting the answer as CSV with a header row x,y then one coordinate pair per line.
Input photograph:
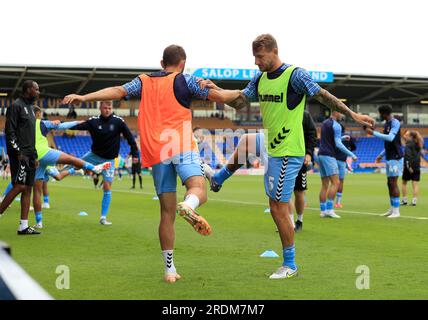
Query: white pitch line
x,y
243,202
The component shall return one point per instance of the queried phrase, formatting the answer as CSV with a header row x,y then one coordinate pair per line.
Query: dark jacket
x,y
412,156
20,128
105,134
310,133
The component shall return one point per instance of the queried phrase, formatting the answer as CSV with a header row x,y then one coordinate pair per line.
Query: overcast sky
x,y
360,37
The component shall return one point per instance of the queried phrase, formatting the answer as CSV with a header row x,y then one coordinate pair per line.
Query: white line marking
x,y
244,202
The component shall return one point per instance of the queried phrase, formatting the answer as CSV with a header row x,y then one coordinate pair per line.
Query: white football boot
x,y
283,272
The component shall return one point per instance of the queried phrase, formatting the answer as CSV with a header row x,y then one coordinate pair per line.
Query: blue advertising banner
x,y
248,74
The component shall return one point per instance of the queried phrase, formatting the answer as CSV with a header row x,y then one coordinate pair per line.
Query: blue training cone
x,y
269,254
267,210
83,214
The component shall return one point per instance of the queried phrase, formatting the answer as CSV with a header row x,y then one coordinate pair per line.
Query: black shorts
x,y
136,169
415,176
301,183
24,171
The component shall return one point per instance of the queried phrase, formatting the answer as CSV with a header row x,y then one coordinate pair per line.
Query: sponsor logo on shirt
x,y
271,97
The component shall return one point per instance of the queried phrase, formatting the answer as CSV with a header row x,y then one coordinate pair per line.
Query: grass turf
x,y
123,261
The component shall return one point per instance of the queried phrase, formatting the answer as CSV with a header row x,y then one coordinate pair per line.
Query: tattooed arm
x,y
241,102
330,101
223,95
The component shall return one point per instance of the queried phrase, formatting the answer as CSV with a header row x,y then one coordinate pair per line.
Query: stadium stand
x,y
78,145
367,150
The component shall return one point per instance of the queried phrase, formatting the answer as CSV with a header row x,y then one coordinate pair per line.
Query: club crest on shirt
x,y
112,127
100,127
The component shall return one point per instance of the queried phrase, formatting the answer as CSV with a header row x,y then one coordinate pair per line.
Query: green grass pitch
x,y
123,261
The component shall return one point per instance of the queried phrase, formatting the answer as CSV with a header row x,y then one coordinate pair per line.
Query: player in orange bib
x,y
166,139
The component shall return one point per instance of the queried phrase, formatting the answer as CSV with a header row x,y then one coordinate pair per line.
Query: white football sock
x,y
168,258
300,217
23,224
192,201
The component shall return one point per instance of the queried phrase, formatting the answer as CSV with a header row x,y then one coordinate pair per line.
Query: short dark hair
x,y
37,109
27,85
173,54
266,41
385,109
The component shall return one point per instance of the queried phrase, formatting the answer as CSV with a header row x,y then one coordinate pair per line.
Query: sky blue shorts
x,y
281,176
49,159
394,168
92,158
328,166
342,169
185,165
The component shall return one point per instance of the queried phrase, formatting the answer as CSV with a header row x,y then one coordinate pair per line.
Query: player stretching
x,y
254,144
53,172
105,131
282,90
394,157
51,157
330,142
167,143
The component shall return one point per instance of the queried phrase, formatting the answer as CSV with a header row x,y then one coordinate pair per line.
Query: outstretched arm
x,y
238,102
111,93
57,125
386,137
395,128
241,102
224,96
68,125
82,126
330,101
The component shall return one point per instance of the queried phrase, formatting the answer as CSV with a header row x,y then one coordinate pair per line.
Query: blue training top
x,y
331,139
392,137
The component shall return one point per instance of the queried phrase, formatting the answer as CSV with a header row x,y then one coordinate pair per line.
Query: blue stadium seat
x,y
79,145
